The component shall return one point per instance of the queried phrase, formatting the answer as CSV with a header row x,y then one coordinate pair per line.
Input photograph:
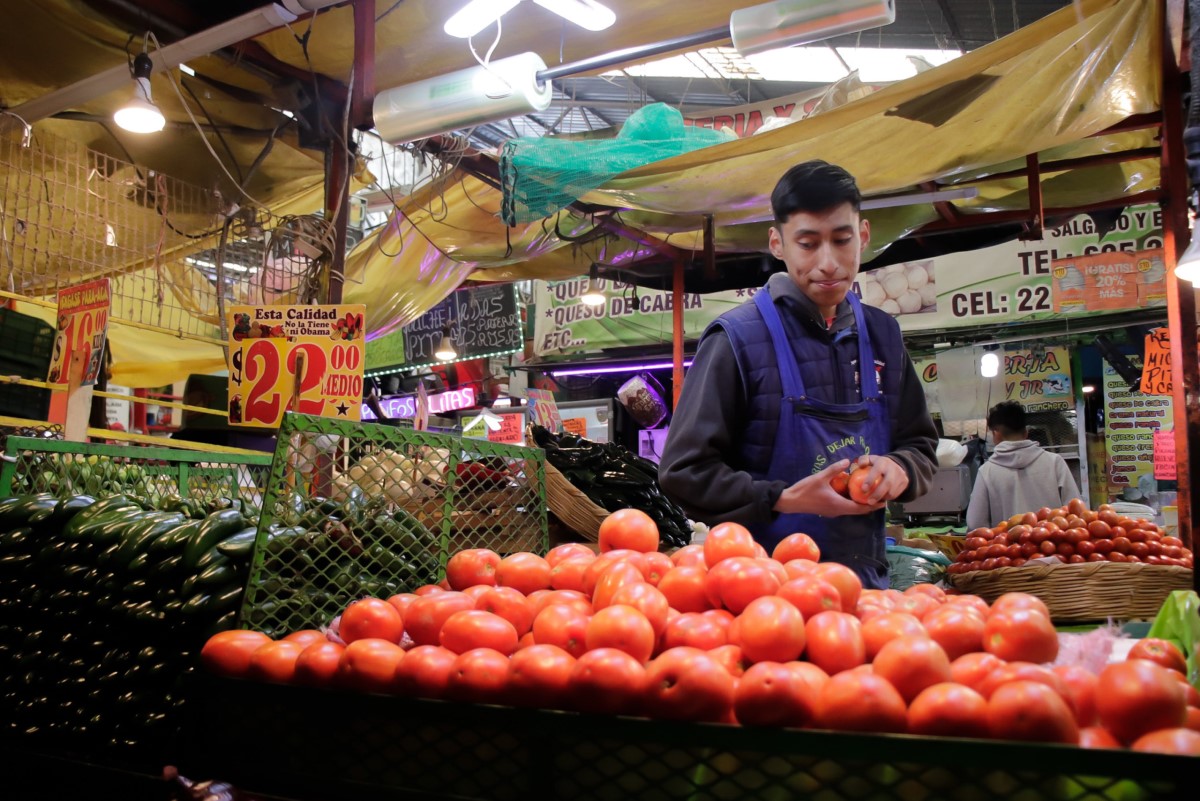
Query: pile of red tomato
x,y
722,632
1073,533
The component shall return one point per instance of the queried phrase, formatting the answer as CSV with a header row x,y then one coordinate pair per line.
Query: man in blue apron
x,y
777,401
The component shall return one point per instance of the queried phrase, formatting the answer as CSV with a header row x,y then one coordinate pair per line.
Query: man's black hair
x,y
813,186
1007,417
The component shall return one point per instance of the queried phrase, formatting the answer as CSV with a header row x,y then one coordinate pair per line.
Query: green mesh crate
x,y
310,743
156,475
361,509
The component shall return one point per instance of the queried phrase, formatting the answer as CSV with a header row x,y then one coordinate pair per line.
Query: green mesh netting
x,y
539,175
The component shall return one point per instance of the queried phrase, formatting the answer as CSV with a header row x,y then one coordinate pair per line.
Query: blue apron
x,y
812,435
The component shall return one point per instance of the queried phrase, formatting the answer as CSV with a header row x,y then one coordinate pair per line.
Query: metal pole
x,y
630,53
677,332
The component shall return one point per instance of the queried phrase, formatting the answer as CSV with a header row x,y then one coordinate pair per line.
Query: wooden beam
x,y
1033,184
362,92
677,331
967,222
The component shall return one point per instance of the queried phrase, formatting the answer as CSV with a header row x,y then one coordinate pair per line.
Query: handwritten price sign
x,y
306,359
82,324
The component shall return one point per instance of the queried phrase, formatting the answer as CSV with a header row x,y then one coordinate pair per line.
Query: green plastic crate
x,y
361,509
32,465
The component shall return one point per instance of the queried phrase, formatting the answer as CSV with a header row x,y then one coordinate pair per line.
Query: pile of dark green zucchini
x,y
614,478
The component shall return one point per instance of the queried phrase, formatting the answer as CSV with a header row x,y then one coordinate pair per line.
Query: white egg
x,y
929,270
909,302
892,269
895,285
890,306
917,277
873,294
928,295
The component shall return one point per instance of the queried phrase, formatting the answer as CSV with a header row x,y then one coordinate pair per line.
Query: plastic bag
x,y
950,453
909,566
1178,621
642,396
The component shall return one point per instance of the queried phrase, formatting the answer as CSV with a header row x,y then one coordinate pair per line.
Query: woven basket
x,y
570,505
1089,591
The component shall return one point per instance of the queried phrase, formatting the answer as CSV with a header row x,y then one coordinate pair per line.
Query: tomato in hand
x,y
630,529
841,484
858,488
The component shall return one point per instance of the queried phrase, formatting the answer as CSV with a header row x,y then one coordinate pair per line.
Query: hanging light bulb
x,y
140,115
989,365
445,350
585,13
477,15
1188,266
593,296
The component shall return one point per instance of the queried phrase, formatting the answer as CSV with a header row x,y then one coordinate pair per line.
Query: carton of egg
x,y
900,288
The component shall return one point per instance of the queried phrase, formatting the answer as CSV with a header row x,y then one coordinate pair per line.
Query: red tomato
x,y
796,546
568,550
1028,710
776,569
727,540
811,595
425,616
564,626
477,592
736,581
274,661
1162,652
1097,737
858,489
607,681
841,484
508,604
306,637
654,566
911,664
844,579
646,599
1137,697
770,630
1193,718
317,664
879,630
623,628
1020,634
471,567
683,587
835,642
424,671
629,529
934,592
227,653
973,601
568,574
402,601
860,701
958,629
1079,687
479,675
688,684
694,630
524,572
616,576
371,618
1184,742
973,669
800,568
948,710
1022,671
771,694
474,628
429,589
369,665
1011,601
540,676
602,563
731,658
689,555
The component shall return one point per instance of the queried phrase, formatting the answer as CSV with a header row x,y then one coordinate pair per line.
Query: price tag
x,y
511,430
576,426
1156,365
543,409
1164,455
82,325
306,359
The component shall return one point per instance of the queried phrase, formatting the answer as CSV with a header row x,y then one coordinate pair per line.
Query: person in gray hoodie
x,y
1020,477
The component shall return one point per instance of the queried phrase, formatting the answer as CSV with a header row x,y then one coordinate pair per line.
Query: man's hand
x,y
815,495
885,476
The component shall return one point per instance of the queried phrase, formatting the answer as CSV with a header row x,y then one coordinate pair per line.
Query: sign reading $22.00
x,y
306,359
